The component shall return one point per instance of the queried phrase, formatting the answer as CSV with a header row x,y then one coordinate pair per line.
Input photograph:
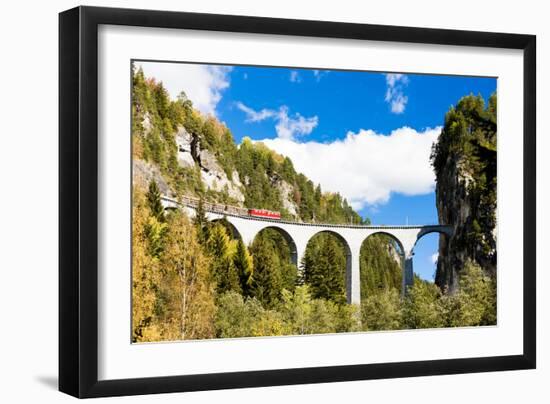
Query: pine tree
x,y
156,233
267,282
380,268
201,222
219,248
155,204
242,262
155,227
324,268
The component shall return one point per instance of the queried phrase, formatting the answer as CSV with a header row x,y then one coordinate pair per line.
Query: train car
x,y
267,214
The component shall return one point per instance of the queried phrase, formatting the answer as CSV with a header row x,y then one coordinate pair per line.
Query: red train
x,y
264,213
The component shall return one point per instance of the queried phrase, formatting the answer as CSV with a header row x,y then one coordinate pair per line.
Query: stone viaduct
x,y
298,234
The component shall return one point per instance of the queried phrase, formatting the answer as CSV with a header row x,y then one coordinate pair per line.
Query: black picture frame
x,y
78,200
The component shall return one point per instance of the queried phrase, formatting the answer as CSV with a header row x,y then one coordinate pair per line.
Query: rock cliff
x,y
189,153
464,160
212,174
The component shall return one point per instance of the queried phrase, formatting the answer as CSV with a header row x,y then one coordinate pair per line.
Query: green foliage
x,y
155,121
382,311
242,261
220,249
303,314
380,265
262,169
423,306
324,268
296,314
201,223
155,204
192,280
468,145
240,317
155,232
172,293
273,270
475,301
155,228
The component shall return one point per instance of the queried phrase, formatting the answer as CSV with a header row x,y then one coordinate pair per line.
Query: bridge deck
x,y
242,213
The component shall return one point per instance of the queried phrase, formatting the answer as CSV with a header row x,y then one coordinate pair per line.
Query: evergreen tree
x,y
267,281
155,232
380,265
155,227
201,222
242,262
222,268
155,203
324,268
467,146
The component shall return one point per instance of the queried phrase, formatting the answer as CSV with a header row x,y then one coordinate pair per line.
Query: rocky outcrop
x,y
459,205
453,207
465,167
212,174
215,178
186,148
287,191
394,251
144,173
146,123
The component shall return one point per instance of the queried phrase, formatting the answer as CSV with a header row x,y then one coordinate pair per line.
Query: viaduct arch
x,y
298,235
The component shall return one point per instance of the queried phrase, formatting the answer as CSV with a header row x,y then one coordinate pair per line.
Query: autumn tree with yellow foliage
x,y
173,291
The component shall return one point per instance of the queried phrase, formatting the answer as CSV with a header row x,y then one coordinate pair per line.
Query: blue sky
x,y
366,135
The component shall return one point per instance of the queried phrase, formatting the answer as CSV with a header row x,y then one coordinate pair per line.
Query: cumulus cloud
x,y
295,76
395,95
203,84
287,126
366,167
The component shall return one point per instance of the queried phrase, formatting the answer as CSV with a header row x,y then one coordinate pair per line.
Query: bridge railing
x,y
211,207
231,210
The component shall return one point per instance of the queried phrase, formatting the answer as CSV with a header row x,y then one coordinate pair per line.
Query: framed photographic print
x,y
251,201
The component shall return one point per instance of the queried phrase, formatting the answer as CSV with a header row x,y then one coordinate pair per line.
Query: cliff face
x,y
212,174
189,153
192,155
464,160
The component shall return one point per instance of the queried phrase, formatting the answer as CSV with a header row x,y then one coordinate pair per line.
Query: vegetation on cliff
x,y
465,165
194,279
156,120
187,289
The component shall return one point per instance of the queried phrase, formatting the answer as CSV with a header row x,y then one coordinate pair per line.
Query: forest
x,y
193,279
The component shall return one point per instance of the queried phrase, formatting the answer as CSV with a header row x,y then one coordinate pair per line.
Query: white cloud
x,y
366,167
255,116
395,96
434,257
295,76
318,74
287,126
203,84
